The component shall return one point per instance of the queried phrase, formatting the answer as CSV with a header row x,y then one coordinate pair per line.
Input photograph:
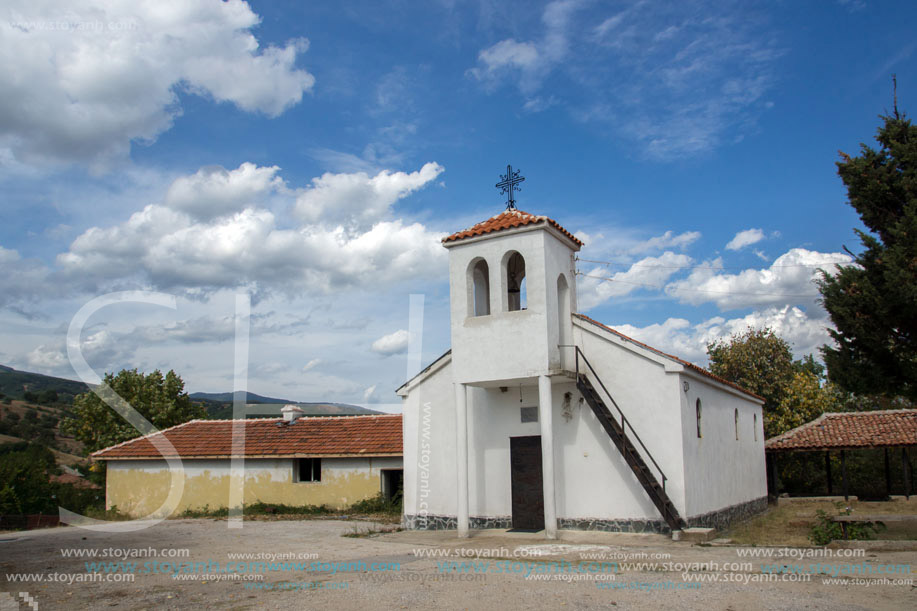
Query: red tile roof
x,y
270,437
683,362
879,429
507,220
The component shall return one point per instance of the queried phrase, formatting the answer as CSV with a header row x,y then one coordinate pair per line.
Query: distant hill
x,y
224,410
317,409
227,397
15,384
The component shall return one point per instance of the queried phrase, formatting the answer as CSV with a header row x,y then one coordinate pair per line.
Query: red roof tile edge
x,y
681,361
788,441
100,454
522,218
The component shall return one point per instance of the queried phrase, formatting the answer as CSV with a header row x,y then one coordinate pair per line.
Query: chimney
x,y
291,413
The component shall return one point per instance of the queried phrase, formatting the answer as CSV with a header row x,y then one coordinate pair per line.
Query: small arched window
x,y
737,424
479,288
563,310
697,409
515,282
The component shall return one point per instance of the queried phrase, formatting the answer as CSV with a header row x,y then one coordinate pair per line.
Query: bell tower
x,y
512,288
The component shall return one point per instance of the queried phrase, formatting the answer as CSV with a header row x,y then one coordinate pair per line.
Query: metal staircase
x,y
623,436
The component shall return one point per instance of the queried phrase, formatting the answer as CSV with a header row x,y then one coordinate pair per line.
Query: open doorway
x,y
392,484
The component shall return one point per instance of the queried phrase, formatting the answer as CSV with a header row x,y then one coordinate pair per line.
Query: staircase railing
x,y
625,424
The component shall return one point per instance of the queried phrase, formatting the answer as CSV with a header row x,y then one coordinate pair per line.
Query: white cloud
x,y
667,240
252,247
8,255
745,238
509,53
532,59
368,393
311,365
598,286
215,191
83,80
393,343
203,329
620,244
102,349
805,331
677,79
789,279
356,199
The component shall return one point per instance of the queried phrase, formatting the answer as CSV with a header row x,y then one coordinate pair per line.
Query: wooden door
x,y
527,482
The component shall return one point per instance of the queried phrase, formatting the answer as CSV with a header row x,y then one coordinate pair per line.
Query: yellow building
x,y
333,461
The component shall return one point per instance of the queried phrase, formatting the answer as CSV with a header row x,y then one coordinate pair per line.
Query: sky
x,y
307,158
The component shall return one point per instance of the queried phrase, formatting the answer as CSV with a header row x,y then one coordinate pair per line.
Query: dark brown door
x,y
527,484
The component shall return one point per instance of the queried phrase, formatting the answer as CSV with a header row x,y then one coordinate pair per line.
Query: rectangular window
x,y
309,469
528,414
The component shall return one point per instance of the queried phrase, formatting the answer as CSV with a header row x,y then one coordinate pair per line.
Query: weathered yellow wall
x,y
140,488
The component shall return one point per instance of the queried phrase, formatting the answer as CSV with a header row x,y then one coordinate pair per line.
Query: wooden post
x,y
844,475
828,473
888,476
907,474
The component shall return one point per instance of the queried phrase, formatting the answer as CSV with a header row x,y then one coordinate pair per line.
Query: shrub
x,y
378,504
827,530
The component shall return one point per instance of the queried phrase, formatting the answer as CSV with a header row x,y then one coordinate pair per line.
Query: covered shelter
x,y
843,431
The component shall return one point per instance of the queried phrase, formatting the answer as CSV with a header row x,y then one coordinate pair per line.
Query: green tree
x,y
872,302
758,360
162,400
47,397
25,470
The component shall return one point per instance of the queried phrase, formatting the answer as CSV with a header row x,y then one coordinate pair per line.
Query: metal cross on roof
x,y
508,184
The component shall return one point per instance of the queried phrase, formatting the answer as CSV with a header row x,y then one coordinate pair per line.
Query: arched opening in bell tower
x,y
563,311
478,288
514,264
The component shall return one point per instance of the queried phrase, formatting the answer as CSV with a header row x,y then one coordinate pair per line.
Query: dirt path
x,y
392,571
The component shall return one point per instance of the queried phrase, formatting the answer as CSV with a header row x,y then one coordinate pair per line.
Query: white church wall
x,y
430,485
593,480
720,470
649,398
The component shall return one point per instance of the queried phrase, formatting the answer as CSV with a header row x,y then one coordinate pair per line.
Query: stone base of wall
x,y
614,526
720,520
431,522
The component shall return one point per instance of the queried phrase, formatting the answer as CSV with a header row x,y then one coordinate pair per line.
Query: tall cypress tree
x,y
873,303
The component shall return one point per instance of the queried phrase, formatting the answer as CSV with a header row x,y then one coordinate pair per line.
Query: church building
x,y
540,418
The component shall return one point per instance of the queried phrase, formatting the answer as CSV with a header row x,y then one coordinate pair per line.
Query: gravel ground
x,y
390,571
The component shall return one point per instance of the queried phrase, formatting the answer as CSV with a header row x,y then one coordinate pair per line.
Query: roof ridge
x,y
509,219
867,412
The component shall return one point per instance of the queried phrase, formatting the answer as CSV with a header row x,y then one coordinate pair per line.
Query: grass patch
x,y
790,523
112,515
376,507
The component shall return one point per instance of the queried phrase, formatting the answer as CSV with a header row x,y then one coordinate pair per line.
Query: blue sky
x,y
312,155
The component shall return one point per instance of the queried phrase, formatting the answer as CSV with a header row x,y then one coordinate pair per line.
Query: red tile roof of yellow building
x,y
509,219
851,430
271,437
